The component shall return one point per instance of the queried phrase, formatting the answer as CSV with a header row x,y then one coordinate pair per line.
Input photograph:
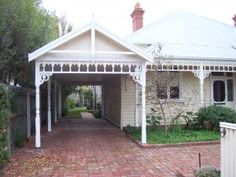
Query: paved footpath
x,y
95,148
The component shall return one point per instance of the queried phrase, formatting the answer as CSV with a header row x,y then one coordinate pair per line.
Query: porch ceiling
x,y
85,79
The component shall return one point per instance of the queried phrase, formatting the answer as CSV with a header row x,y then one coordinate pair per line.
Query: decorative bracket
x,y
44,77
139,75
201,74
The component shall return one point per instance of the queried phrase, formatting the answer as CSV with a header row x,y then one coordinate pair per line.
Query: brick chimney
x,y
234,19
137,16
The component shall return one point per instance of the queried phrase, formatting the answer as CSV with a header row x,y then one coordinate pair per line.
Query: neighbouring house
x,y
199,52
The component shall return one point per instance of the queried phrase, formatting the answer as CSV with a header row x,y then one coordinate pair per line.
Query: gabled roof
x,y
183,34
70,36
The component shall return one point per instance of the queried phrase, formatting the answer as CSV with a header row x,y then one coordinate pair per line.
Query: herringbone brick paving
x,y
95,148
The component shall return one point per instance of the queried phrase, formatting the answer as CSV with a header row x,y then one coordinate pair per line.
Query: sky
x,y
115,14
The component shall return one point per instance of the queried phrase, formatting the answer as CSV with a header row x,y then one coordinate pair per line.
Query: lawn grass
x,y
159,136
75,112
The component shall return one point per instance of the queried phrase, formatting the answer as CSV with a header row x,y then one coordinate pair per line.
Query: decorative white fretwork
x,y
87,67
179,66
137,75
44,77
204,74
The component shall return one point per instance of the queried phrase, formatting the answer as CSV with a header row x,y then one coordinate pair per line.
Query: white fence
x,y
228,149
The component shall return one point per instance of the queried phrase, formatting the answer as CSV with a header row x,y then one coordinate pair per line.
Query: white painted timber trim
x,y
93,41
89,52
45,49
228,125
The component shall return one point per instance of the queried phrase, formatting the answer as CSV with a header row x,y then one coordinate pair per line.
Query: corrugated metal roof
x,y
183,34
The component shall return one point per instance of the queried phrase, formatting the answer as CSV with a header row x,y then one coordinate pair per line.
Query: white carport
x,y
86,55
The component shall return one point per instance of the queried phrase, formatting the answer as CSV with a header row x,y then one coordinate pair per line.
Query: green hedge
x,y
211,116
5,114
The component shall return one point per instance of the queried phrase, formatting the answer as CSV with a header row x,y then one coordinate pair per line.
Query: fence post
x,y
28,114
228,153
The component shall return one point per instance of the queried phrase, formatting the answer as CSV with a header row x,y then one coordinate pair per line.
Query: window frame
x,y
168,88
224,77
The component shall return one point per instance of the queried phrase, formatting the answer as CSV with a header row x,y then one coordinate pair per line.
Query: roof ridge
x,y
207,18
162,18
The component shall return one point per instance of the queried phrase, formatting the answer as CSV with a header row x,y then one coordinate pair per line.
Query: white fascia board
x,y
124,43
199,59
57,42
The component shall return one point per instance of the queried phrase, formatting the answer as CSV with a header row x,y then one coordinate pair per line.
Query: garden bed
x,y
174,138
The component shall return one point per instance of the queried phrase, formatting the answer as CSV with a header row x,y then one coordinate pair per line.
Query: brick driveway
x,y
92,147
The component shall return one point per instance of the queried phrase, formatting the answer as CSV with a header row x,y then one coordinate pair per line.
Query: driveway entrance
x,y
94,147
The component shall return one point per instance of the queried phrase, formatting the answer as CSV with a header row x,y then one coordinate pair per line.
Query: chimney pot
x,y
137,16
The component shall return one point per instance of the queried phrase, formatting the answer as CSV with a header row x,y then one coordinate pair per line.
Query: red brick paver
x,y
92,147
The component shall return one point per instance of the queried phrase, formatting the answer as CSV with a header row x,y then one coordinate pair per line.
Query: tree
x,y
163,92
24,27
64,25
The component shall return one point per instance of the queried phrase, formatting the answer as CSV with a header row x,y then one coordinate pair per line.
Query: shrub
x,y
153,119
97,114
4,123
211,116
70,103
207,172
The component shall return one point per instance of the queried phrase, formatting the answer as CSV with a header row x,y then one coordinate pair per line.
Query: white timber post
x,y
136,105
139,76
201,83
49,107
37,103
59,101
55,101
201,75
102,102
143,84
28,114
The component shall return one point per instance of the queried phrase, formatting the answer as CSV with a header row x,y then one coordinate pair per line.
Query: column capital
x,y
201,73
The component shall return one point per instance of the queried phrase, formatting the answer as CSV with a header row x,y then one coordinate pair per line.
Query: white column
x,y
143,84
37,103
201,84
136,105
28,114
201,75
49,107
59,101
55,101
102,101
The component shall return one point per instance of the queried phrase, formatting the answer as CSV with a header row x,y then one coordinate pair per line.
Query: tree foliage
x,y
24,27
64,25
4,123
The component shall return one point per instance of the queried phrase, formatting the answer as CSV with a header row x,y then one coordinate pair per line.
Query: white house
x,y
199,51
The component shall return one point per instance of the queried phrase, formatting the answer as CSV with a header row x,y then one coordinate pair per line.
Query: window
x,y
230,90
174,92
168,85
223,87
219,91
